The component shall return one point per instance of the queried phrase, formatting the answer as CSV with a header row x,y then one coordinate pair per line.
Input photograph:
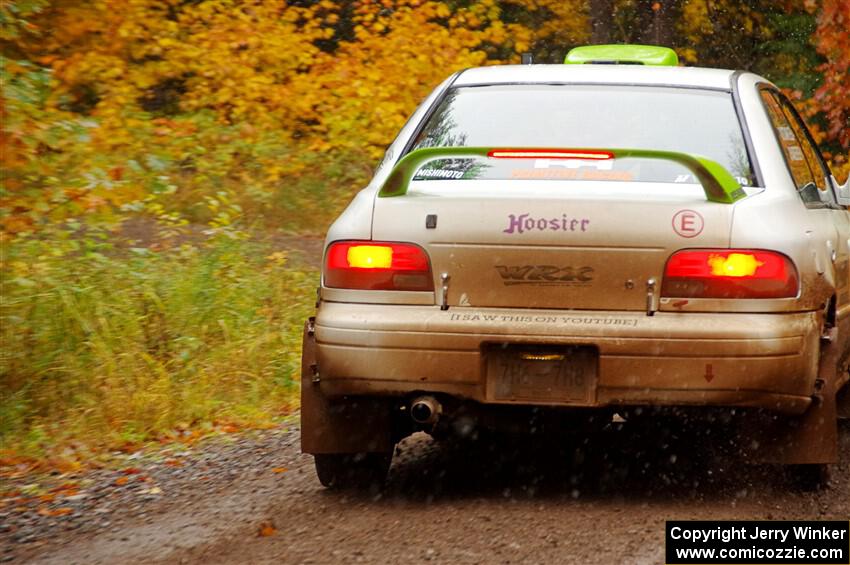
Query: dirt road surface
x,y
253,498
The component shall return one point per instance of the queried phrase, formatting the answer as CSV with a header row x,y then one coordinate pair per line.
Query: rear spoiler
x,y
718,183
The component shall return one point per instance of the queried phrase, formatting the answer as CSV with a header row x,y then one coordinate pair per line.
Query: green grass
x,y
103,346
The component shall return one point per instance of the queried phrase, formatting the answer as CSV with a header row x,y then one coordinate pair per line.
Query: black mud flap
x,y
348,424
812,437
843,402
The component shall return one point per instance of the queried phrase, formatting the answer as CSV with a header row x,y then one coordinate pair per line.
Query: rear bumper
x,y
765,361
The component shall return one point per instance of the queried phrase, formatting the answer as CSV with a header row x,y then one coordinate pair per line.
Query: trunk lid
x,y
552,244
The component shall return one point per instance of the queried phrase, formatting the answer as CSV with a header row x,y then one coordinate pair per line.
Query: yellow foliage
x,y
189,98
292,75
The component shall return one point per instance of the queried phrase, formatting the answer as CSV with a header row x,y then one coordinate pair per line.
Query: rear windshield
x,y
699,122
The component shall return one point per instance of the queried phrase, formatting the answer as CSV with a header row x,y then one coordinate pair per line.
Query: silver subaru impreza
x,y
613,236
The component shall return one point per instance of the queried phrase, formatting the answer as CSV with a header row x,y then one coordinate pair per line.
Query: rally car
x,y
597,237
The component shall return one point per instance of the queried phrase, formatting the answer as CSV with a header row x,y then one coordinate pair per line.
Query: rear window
x,y
699,122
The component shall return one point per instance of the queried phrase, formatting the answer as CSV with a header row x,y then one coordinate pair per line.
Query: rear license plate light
x,y
541,373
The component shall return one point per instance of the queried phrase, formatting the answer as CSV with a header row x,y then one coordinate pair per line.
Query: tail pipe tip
x,y
425,410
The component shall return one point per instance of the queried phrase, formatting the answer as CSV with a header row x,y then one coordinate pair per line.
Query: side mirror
x,y
842,191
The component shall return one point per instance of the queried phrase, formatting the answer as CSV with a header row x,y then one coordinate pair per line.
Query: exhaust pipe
x,y
425,410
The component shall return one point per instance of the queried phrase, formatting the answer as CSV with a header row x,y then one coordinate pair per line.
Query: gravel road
x,y
253,498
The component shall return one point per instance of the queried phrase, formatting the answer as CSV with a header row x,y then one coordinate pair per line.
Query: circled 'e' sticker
x,y
688,223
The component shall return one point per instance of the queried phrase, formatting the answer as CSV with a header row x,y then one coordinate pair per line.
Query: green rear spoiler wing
x,y
652,55
718,183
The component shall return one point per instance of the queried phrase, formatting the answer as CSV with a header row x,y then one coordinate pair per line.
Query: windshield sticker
x,y
743,181
522,223
439,174
786,133
571,174
795,153
453,169
688,223
608,175
606,165
545,275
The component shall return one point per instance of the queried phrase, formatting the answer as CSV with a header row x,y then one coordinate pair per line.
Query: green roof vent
x,y
622,55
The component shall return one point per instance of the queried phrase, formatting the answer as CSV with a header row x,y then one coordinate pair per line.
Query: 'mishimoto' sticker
x,y
688,223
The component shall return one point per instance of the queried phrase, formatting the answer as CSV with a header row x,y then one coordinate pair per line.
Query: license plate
x,y
541,374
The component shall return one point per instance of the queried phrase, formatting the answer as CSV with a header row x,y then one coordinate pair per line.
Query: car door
x,y
830,223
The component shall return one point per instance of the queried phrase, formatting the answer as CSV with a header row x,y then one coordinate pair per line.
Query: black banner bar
x,y
757,542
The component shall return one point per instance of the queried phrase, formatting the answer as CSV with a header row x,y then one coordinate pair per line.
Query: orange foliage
x,y
238,89
259,63
129,105
833,42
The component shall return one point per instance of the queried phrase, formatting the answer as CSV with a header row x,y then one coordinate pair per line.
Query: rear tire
x,y
809,477
353,470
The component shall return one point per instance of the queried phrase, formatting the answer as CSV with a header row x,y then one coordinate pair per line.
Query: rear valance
x,y
719,185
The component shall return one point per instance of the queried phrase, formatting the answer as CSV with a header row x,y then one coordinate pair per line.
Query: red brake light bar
x,y
549,154
375,265
730,273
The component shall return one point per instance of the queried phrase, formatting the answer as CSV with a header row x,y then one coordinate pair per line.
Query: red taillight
x,y
376,265
730,273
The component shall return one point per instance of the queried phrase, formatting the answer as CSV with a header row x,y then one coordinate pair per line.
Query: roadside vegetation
x,y
220,123
107,346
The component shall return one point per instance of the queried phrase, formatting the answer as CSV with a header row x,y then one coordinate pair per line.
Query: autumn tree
x,y
107,103
190,97
601,21
833,96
